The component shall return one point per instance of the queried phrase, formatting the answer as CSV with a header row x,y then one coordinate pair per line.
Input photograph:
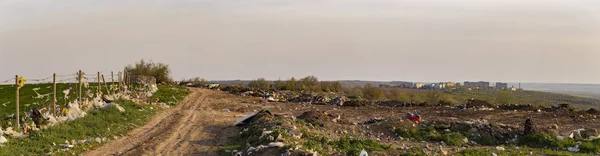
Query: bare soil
x,y
201,124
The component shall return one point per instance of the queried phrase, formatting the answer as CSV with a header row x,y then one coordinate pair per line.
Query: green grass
x,y
535,98
95,124
430,134
523,151
345,145
170,94
27,100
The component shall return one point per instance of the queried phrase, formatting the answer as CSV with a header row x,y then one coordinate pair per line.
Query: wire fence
x,y
17,97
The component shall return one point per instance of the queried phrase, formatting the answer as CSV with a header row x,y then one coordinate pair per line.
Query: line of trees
x,y
309,83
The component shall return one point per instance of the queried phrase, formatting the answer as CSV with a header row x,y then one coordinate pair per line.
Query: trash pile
x,y
524,107
473,103
413,117
478,129
264,133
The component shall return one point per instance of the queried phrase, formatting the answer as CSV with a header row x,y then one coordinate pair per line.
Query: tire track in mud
x,y
172,131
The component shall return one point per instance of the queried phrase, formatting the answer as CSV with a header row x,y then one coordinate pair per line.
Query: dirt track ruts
x,y
196,126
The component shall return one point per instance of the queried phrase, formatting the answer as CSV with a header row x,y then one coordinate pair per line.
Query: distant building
x,y
457,84
481,84
418,85
501,85
450,84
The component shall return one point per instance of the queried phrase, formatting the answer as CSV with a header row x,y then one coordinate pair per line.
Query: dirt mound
x,y
518,107
592,111
318,118
235,89
395,103
477,103
357,103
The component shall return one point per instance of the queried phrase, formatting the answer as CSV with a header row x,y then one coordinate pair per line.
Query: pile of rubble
x,y
265,133
526,107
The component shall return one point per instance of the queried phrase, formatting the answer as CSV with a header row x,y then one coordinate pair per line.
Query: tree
x,y
292,84
353,92
396,94
331,86
161,72
371,92
310,83
260,83
504,97
433,97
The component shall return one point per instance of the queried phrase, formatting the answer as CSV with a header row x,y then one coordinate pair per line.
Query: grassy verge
x,y
107,123
170,94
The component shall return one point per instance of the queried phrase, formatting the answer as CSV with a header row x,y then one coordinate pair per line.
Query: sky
x,y
548,41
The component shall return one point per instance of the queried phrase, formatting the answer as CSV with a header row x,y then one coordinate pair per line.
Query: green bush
x,y
371,92
543,140
591,146
161,72
430,134
260,83
471,152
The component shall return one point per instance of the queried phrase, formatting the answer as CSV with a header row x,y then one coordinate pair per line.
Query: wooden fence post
x,y
124,78
17,101
79,90
99,85
119,79
54,93
105,85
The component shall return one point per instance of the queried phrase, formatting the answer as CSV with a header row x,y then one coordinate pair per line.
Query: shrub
x,y
161,72
430,134
591,146
260,83
371,92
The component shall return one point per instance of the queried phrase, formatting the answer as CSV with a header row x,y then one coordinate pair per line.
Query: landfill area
x,y
210,121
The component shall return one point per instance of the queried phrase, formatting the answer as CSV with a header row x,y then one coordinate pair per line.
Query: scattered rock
x,y
276,144
500,148
98,140
573,149
529,127
3,139
66,145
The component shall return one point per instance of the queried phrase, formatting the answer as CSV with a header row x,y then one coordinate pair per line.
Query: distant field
x,y
580,95
585,90
532,97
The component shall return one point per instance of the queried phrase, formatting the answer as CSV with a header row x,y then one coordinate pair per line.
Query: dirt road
x,y
197,126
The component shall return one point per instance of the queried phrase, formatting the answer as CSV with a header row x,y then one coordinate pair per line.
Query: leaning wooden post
x,y
119,79
79,90
99,85
124,78
105,85
17,101
112,79
54,93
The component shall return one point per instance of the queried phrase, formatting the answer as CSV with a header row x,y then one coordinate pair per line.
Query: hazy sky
x,y
412,40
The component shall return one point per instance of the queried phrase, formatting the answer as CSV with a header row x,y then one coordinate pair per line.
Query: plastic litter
x,y
3,139
413,117
238,122
573,149
363,153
